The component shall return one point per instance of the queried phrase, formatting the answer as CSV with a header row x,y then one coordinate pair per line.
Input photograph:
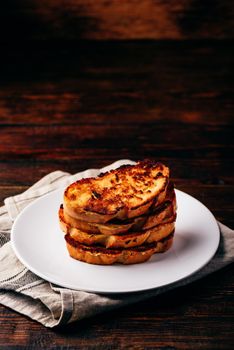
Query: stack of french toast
x,y
122,216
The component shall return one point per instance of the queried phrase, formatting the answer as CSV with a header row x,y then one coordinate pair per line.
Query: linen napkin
x,y
51,305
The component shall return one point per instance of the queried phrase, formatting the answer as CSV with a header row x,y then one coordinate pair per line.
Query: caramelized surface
x,y
124,240
103,256
126,188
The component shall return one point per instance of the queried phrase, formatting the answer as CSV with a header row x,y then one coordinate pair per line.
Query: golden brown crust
x,y
156,216
122,216
126,240
116,226
103,256
126,192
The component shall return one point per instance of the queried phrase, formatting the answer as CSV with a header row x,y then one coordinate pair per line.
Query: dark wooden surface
x,y
116,19
72,106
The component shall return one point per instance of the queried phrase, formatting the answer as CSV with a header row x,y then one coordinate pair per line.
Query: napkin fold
x,y
52,305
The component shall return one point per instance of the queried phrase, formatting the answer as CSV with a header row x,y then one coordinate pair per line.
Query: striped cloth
x,y
51,305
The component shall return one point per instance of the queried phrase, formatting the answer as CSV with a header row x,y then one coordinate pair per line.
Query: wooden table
x,y
74,106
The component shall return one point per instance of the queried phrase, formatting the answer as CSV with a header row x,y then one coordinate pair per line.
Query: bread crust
x,y
122,216
146,221
103,256
123,193
126,240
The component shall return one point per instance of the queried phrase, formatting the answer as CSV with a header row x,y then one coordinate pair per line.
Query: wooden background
x,y
154,79
116,19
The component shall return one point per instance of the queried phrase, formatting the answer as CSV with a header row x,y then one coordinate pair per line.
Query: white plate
x,y
39,243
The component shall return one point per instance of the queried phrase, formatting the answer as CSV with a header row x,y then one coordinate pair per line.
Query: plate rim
x,y
98,290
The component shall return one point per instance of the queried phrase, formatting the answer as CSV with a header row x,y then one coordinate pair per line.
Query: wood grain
x,y
124,83
74,106
116,19
153,139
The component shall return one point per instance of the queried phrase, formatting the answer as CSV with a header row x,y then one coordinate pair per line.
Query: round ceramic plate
x,y
39,244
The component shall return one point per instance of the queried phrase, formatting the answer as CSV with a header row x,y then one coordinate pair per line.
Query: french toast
x,y
123,193
122,216
153,218
143,222
126,240
103,256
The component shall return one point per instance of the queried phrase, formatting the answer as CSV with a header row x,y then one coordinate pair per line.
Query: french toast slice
x,y
158,215
140,223
126,240
123,193
106,256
